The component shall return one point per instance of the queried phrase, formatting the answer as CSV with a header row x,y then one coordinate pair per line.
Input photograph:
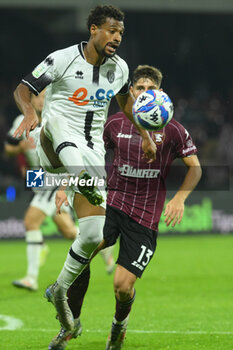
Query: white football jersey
x,y
78,91
31,154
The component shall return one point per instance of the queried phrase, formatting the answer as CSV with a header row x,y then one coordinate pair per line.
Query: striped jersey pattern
x,y
134,186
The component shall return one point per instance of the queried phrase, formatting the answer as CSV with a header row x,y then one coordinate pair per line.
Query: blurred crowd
x,y
208,117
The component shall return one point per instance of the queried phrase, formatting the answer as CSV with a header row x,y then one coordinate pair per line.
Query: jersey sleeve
x,y
125,88
125,79
46,72
184,145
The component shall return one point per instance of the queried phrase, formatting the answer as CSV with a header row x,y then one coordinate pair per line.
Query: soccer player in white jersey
x,y
42,204
80,81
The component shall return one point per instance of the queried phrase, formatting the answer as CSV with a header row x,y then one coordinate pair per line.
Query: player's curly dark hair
x,y
150,72
99,14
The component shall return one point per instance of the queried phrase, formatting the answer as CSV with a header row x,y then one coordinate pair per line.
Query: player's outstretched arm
x,y
22,96
175,207
148,146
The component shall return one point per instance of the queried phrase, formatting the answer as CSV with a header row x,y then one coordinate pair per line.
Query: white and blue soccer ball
x,y
153,110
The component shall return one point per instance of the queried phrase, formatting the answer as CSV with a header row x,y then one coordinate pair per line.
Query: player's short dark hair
x,y
150,72
99,14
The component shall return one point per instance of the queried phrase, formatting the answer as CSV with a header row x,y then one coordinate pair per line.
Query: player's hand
x,y
28,124
174,211
60,199
149,148
27,144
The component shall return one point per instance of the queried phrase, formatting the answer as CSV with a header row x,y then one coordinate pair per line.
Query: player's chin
x,y
109,54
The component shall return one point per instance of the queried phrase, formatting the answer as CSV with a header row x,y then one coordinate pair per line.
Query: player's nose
x,y
117,37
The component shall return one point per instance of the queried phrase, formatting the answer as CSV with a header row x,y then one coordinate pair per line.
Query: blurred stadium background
x,y
190,41
185,299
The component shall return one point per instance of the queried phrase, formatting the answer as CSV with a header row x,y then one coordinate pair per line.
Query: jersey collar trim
x,y
81,48
81,51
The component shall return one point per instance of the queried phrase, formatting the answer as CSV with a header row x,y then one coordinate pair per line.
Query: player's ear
x,y
93,29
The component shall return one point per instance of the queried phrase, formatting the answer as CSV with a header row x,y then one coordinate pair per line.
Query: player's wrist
x,y
182,195
144,134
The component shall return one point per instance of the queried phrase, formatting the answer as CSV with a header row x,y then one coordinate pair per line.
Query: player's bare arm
x,y
175,208
22,96
149,148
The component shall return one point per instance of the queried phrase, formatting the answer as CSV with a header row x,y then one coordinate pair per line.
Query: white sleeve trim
x,y
32,87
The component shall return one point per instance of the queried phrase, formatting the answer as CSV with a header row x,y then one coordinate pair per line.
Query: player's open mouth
x,y
111,47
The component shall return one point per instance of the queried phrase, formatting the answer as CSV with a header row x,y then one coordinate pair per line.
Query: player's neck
x,y
92,56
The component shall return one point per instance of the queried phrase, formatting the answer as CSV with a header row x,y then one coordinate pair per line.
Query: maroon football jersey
x,y
134,186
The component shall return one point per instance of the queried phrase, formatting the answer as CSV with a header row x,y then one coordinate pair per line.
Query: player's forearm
x,y
144,133
126,104
22,96
190,182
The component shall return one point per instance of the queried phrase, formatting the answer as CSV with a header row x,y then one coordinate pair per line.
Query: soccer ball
x,y
153,110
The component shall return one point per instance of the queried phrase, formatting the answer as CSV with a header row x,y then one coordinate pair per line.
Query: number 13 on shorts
x,y
146,255
143,259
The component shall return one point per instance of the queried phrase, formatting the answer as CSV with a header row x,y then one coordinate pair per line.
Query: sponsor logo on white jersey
x,y
79,74
127,170
100,99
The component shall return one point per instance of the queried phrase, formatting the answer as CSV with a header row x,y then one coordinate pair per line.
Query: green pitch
x,y
184,300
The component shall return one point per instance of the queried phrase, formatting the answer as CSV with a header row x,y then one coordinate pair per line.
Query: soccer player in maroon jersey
x,y
136,195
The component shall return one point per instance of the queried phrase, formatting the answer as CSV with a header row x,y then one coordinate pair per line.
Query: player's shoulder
x,y
176,131
119,116
120,63
174,127
63,57
67,52
115,119
174,124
